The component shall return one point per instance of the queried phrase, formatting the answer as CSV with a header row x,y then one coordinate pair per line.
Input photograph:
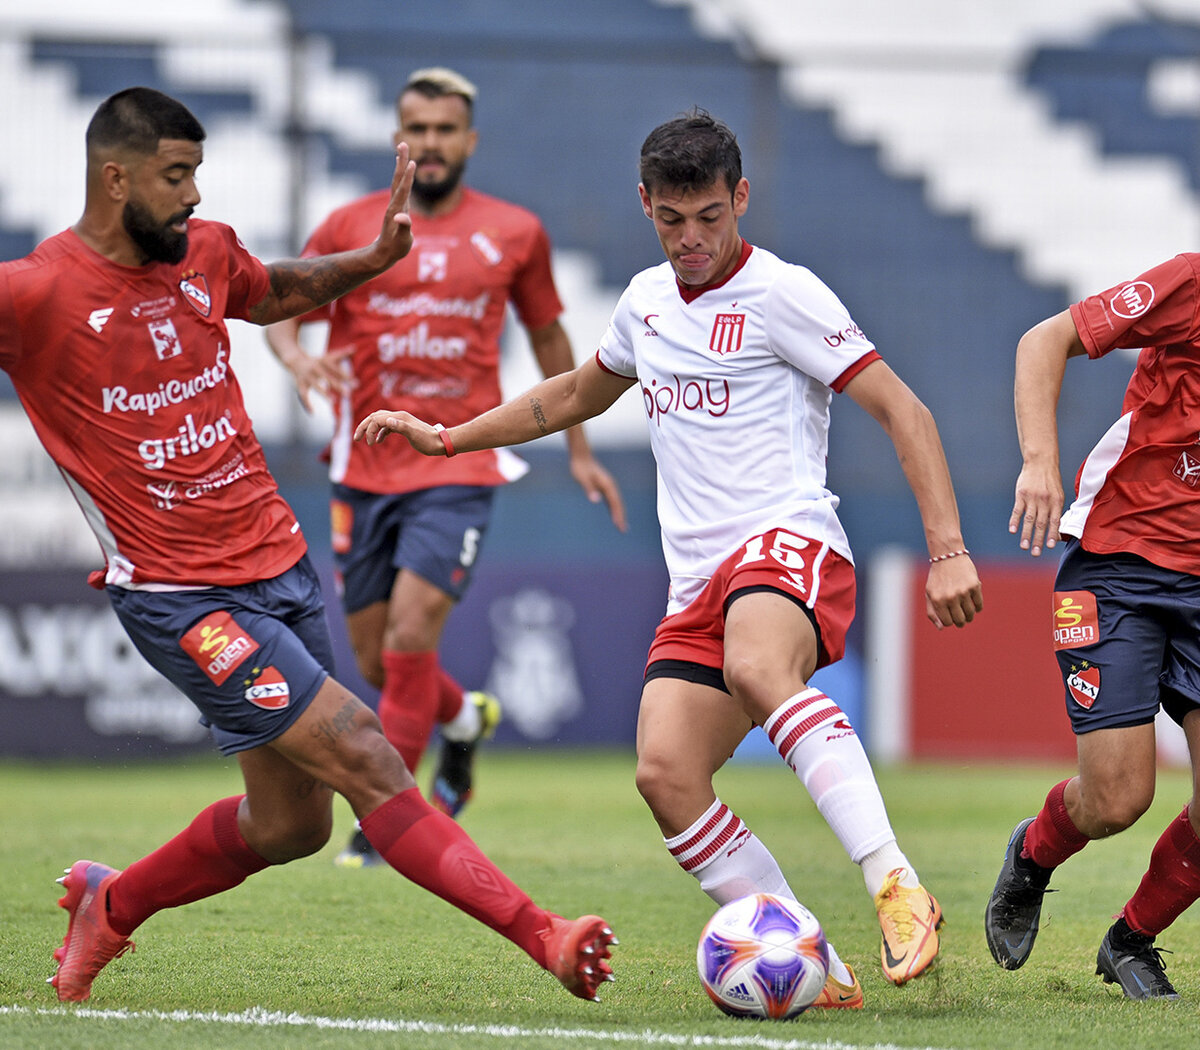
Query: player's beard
x,y
156,240
430,193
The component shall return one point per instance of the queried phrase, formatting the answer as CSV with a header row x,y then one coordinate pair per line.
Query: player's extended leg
x,y
770,651
686,732
285,814
338,740
1114,787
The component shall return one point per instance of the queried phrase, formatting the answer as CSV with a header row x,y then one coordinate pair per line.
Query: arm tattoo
x,y
539,417
300,285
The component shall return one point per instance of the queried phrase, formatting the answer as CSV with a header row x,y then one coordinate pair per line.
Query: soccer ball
x,y
763,956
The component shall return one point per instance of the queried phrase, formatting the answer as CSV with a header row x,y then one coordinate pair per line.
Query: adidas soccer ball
x,y
763,956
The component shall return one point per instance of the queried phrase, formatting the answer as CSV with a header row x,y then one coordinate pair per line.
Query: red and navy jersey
x,y
124,373
425,336
1138,490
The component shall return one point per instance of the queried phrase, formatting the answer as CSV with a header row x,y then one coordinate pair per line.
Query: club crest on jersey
x,y
726,334
1187,469
487,248
195,290
1076,622
218,645
267,688
1084,685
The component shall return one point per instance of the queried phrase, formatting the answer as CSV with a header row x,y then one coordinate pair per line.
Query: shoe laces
x,y
892,904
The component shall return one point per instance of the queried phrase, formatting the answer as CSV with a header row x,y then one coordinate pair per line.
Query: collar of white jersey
x,y
689,294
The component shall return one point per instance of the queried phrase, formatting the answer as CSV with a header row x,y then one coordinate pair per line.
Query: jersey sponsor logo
x,y
393,384
195,290
164,497
1076,622
267,688
418,343
175,392
187,441
424,304
835,339
488,250
1187,469
726,334
1083,683
432,266
165,339
692,395
218,645
97,319
1133,300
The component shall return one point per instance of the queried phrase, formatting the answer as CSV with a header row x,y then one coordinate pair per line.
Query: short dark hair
x,y
138,117
689,153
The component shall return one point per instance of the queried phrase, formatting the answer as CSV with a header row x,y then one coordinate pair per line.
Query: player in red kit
x,y
113,333
1126,609
407,530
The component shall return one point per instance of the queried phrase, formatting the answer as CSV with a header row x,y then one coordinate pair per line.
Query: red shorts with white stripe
x,y
807,571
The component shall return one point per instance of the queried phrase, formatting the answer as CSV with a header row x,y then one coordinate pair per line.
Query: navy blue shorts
x,y
1127,639
435,533
251,658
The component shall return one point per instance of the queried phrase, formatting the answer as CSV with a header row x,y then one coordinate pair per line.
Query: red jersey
x,y
425,335
124,373
1138,490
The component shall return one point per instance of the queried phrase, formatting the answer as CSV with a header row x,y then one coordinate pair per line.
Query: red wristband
x,y
447,444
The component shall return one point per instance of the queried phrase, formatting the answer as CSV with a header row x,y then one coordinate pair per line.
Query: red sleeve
x,y
533,293
248,279
1159,308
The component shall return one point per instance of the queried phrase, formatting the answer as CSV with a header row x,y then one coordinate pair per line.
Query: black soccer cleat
x,y
1129,959
1015,907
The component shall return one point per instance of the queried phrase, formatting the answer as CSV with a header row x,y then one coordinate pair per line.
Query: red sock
x,y
1171,883
1053,836
209,856
434,852
450,697
408,702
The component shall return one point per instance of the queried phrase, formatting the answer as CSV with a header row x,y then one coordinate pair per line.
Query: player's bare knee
x,y
1111,812
285,841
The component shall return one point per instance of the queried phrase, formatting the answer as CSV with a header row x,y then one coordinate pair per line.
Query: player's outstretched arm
x,y
300,285
1041,362
953,594
554,404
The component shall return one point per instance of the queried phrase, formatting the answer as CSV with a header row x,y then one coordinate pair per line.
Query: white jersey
x,y
736,380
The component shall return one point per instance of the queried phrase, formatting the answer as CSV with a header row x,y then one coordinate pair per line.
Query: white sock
x,y
814,737
730,861
464,726
879,864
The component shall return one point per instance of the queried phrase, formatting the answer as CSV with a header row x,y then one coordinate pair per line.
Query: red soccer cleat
x,y
577,953
90,943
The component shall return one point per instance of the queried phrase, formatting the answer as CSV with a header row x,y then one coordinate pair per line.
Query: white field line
x,y
258,1018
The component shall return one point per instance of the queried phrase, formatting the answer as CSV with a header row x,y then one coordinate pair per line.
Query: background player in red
x,y
113,333
1126,610
737,354
425,336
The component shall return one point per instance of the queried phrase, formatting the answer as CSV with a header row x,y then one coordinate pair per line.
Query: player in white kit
x,y
736,355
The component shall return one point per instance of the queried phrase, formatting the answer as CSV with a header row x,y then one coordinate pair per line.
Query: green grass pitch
x,y
309,955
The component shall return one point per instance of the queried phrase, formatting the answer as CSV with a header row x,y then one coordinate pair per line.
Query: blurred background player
x,y
425,336
735,354
205,564
1126,617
